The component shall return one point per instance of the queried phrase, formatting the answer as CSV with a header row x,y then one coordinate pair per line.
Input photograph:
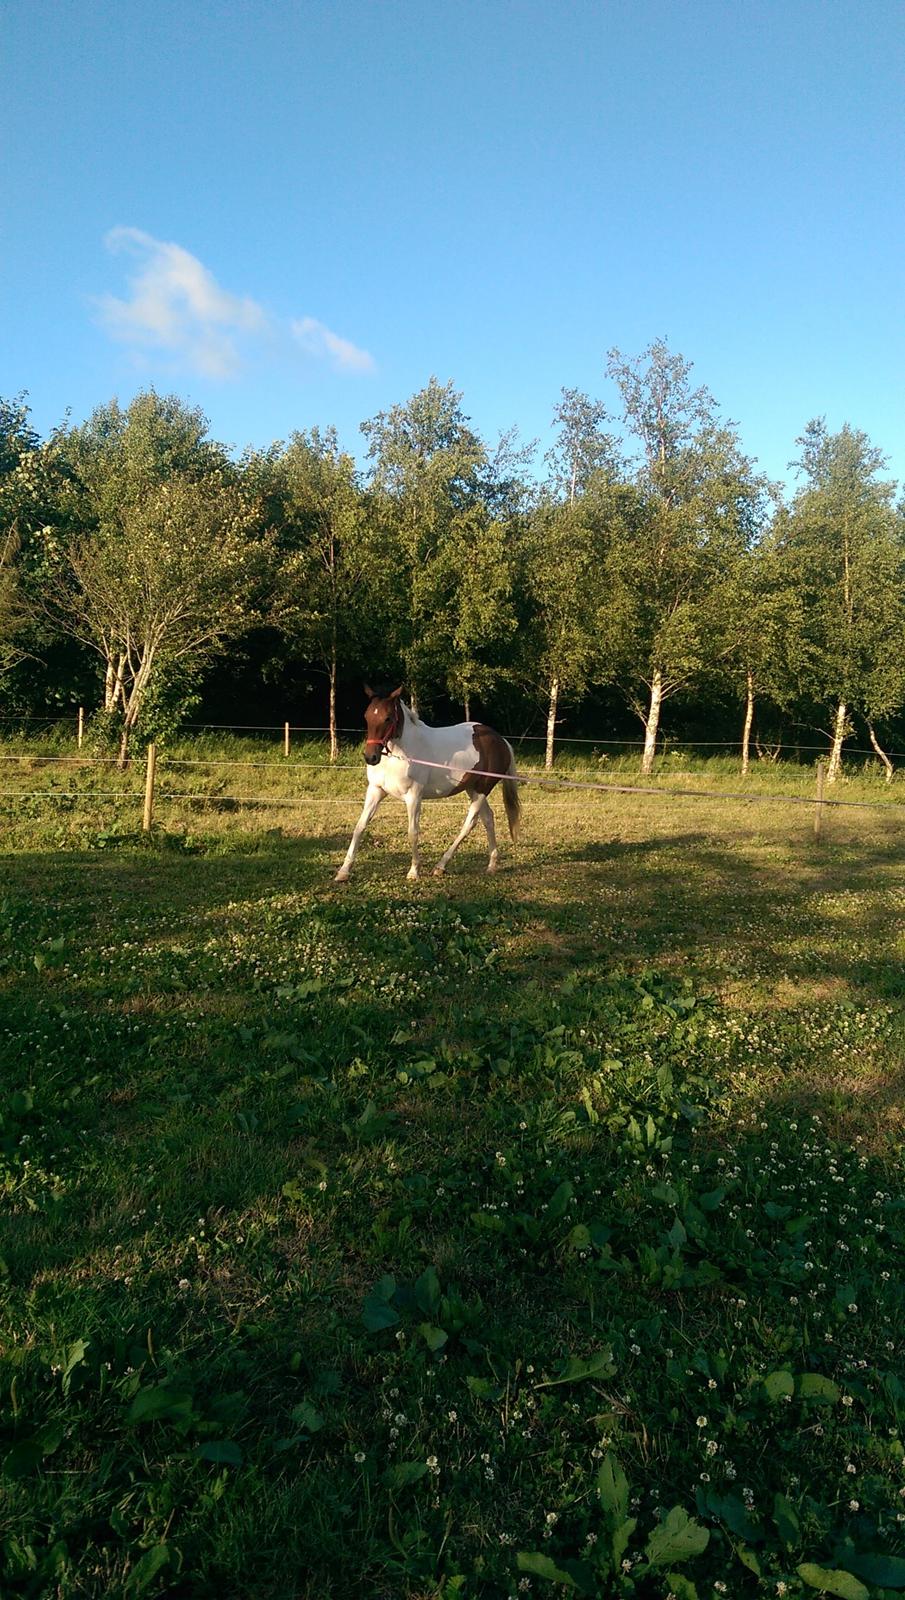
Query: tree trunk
x,y
835,766
551,721
334,741
468,708
113,682
881,753
746,731
652,724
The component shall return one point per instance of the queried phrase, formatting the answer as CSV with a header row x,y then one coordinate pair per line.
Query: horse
x,y
411,761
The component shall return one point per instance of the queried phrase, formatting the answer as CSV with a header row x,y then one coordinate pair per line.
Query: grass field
x,y
469,1238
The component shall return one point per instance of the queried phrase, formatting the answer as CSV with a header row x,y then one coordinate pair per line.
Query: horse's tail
x,y
511,798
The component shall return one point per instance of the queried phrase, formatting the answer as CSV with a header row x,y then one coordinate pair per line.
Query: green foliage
x,y
426,1240
842,543
135,552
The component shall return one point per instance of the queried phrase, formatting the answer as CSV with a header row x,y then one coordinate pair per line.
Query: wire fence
x,y
771,749
151,793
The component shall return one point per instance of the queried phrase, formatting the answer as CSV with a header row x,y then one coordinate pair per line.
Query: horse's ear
x,y
368,691
395,693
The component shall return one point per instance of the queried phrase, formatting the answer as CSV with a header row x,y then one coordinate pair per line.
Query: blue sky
x,y
296,213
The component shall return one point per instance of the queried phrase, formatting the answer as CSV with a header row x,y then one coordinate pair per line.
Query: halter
x,y
398,725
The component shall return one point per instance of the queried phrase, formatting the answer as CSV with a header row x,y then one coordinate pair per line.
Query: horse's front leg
x,y
413,807
471,817
372,801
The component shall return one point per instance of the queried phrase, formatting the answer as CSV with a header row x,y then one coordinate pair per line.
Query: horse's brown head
x,y
383,719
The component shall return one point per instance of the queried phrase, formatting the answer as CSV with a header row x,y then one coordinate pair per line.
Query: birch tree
x,y
119,460
701,505
437,492
163,588
19,450
845,545
582,447
566,553
755,615
327,569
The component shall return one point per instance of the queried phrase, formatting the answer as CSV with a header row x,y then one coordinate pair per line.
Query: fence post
x,y
818,809
150,771
81,728
285,738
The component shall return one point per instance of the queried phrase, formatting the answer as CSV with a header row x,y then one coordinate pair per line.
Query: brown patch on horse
x,y
494,758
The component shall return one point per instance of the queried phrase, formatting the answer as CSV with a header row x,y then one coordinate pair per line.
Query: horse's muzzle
x,y
374,760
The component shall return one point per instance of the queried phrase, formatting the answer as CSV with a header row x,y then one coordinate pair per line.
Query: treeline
x,y
647,555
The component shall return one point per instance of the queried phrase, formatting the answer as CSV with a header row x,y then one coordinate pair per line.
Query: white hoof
x,y
491,865
412,874
439,870
341,877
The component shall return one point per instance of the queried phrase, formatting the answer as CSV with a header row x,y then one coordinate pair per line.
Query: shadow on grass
x,y
254,1094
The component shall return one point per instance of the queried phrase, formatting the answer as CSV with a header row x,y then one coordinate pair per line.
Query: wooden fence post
x,y
285,738
150,771
81,728
818,809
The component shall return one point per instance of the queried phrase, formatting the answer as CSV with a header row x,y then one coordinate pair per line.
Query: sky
x,y
294,214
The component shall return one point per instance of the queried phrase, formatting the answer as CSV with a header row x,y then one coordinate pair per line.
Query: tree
x,y
565,554
582,446
700,505
160,591
119,461
437,490
845,545
19,445
755,613
33,493
163,555
327,568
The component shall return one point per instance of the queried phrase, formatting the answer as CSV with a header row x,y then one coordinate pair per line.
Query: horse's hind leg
x,y
471,817
490,829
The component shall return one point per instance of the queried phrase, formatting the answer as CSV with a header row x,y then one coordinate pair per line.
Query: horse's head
x,y
383,719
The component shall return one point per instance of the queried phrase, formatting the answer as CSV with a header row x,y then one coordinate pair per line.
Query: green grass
x,y
460,1238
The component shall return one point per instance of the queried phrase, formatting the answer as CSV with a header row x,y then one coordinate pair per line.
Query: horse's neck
x,y
414,734
419,739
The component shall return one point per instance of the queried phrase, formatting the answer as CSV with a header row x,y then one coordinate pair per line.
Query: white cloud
x,y
317,340
175,304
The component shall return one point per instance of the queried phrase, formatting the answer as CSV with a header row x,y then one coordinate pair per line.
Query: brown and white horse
x,y
411,762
